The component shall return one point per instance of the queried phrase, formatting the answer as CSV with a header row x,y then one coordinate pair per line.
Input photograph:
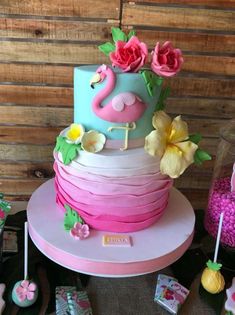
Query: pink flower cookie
x,y
166,60
80,231
26,290
129,56
230,302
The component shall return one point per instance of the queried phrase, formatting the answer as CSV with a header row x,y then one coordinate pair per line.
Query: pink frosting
x,y
167,60
129,56
117,204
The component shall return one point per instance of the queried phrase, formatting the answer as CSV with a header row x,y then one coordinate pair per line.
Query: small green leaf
x,y
107,48
70,218
69,151
131,33
118,34
151,80
196,138
5,206
201,156
1,195
162,99
213,265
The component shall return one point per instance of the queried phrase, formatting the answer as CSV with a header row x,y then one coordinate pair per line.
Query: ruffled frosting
x,y
121,192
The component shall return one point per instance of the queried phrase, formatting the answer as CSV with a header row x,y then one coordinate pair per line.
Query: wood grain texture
x,y
36,74
20,152
20,186
209,64
55,29
33,116
188,41
206,87
36,95
205,3
28,135
68,8
178,18
202,107
26,170
40,52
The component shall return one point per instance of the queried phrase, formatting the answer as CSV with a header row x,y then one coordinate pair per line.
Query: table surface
x,y
152,249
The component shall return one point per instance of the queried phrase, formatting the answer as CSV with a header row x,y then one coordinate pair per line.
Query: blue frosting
x,y
125,82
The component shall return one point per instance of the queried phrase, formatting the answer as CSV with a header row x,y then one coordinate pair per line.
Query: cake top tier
x,y
122,106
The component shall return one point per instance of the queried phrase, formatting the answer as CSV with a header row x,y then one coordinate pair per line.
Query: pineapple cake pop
x,y
25,292
212,280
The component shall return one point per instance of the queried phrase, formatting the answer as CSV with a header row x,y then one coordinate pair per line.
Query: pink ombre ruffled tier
x,y
117,193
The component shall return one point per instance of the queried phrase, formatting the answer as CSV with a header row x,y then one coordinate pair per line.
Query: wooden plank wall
x,y
41,43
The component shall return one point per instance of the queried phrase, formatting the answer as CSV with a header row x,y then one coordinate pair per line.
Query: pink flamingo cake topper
x,y
125,107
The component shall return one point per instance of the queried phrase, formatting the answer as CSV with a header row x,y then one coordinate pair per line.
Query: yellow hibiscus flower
x,y
170,142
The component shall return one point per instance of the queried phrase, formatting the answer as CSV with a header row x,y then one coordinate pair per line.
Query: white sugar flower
x,y
93,141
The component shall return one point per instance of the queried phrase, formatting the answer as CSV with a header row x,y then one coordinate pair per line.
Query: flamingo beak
x,y
94,80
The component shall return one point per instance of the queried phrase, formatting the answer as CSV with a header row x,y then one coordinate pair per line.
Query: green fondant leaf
x,y
201,156
106,48
151,80
70,218
69,151
196,138
213,265
5,206
1,195
118,34
131,33
162,98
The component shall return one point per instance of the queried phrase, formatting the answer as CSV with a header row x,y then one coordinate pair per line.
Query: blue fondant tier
x,y
125,82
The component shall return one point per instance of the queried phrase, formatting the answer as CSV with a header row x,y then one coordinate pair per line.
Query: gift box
x,y
69,301
170,294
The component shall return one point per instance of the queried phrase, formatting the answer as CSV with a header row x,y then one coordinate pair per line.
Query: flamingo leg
x,y
127,128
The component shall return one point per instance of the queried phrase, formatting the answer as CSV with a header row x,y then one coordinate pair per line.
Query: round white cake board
x,y
152,249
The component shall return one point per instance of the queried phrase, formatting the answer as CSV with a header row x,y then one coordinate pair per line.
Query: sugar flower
x,y
93,141
129,56
166,60
170,142
75,133
26,290
230,302
80,231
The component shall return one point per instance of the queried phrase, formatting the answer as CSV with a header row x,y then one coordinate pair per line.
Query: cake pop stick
x,y
25,292
212,280
218,237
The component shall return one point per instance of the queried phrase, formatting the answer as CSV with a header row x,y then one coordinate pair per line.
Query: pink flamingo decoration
x,y
125,107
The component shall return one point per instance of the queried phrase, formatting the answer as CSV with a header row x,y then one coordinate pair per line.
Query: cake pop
x,y
25,292
212,280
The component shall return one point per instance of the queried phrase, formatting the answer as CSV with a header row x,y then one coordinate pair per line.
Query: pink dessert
x,y
115,165
222,200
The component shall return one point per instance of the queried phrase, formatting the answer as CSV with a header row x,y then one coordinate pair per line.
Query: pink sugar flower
x,y
26,290
166,60
129,56
80,231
